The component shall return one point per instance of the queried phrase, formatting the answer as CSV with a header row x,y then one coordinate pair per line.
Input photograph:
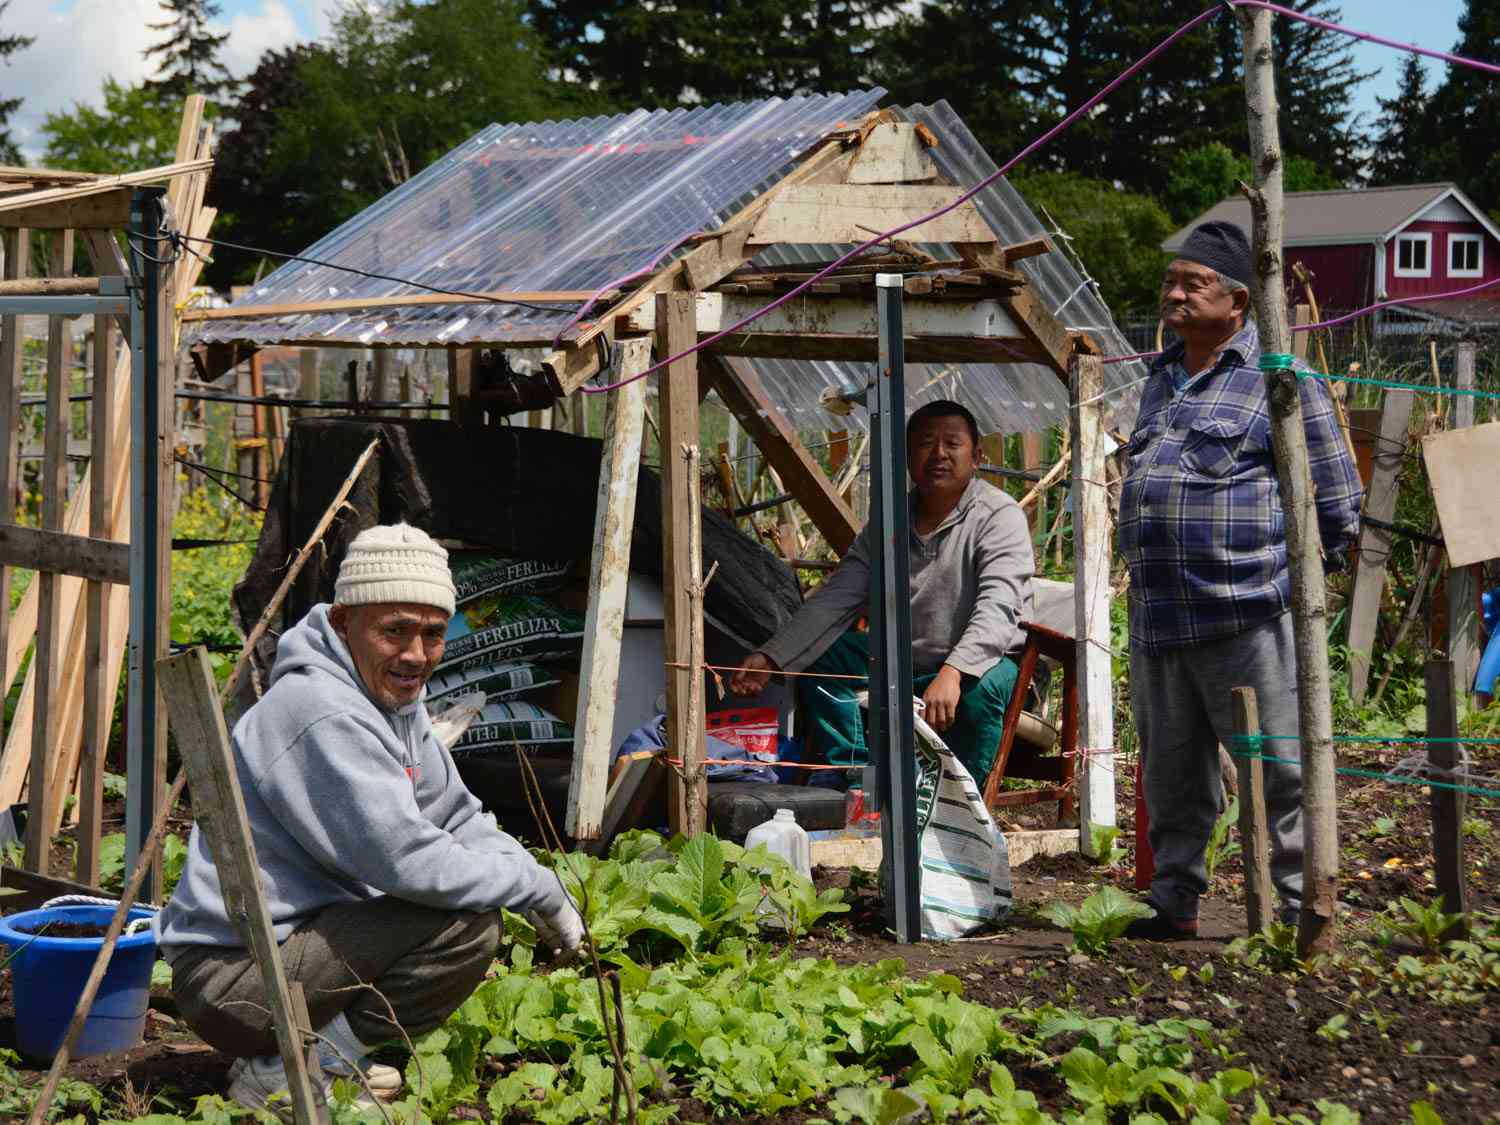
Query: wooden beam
x,y
740,389
404,301
986,317
1053,342
58,552
820,213
1387,459
609,576
108,260
719,254
687,801
1095,775
46,749
187,686
12,173
17,248
50,287
464,408
86,188
892,153
106,210
844,346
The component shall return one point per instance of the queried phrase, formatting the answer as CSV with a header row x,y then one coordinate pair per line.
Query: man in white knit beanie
x,y
383,874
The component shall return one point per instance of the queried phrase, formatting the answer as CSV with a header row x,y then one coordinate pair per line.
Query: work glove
x,y
560,929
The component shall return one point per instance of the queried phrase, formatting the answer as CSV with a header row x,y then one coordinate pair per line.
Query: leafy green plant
x,y
1103,842
1220,845
1426,925
1335,1030
112,862
1274,949
1098,920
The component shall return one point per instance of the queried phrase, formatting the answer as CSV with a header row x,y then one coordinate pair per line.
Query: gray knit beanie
x,y
393,563
1220,246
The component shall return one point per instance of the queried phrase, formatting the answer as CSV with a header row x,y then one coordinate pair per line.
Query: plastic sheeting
x,y
570,205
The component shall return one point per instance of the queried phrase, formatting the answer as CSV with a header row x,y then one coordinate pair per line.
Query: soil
x,y
64,930
1269,1022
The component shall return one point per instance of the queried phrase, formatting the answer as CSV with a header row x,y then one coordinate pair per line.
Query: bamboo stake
x,y
1254,838
159,827
1289,446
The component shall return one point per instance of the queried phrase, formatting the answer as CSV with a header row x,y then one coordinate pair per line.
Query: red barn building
x,y
1376,244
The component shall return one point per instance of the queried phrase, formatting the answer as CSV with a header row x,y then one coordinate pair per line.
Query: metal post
x,y
892,741
141,747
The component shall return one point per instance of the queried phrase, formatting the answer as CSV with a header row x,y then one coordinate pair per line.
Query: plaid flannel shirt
x,y
1201,523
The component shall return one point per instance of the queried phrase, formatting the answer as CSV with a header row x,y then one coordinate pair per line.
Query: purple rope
x,y
619,281
1046,138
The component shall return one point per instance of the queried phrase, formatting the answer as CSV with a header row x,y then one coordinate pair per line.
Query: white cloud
x,y
81,42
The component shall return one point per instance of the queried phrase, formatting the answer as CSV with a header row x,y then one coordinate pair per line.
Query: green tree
x,y
1466,108
187,60
1401,149
9,45
135,129
1206,175
669,52
1116,234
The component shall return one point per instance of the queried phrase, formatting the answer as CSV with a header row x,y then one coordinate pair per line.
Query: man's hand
x,y
560,930
941,698
754,676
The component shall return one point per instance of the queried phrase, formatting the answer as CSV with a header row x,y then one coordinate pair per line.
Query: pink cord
x,y
1046,138
619,281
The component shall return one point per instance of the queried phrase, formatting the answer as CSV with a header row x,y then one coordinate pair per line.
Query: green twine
x,y
1473,392
1401,780
1254,740
1276,361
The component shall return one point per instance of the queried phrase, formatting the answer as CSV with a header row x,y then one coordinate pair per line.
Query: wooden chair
x,y
1028,739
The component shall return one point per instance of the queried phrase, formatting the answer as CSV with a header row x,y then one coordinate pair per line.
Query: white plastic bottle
x,y
783,836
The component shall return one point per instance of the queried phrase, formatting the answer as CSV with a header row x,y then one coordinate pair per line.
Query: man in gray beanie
x,y
1202,531
383,875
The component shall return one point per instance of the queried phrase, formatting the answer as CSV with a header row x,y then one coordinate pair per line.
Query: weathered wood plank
x,y
1443,754
104,211
817,213
85,189
1459,465
1387,458
1463,584
17,248
560,297
609,574
1255,840
892,153
82,556
985,317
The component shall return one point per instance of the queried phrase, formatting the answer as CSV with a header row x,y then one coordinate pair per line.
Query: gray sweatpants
x,y
1182,712
425,962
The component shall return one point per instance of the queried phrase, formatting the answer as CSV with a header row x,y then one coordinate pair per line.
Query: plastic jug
x,y
783,836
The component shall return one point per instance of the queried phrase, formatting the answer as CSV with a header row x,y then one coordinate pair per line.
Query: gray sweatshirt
x,y
347,801
970,588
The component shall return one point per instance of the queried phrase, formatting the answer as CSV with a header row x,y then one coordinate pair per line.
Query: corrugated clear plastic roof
x,y
585,205
565,205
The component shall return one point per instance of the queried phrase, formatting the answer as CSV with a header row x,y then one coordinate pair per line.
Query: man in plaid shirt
x,y
1202,530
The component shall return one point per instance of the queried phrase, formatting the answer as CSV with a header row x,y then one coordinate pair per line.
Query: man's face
x,y
940,454
1194,302
395,647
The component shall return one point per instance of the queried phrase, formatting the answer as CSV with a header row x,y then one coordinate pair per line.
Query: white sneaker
x,y
261,1083
385,1082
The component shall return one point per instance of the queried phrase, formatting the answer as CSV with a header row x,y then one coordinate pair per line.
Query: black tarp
x,y
519,492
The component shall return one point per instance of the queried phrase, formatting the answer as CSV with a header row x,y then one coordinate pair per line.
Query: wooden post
x,y
609,575
1091,554
1443,754
98,691
258,436
1386,459
46,748
17,247
463,407
380,377
187,685
309,386
676,329
1254,838
1031,459
1289,447
1463,587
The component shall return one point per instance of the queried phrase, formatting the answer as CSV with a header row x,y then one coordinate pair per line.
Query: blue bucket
x,y
48,976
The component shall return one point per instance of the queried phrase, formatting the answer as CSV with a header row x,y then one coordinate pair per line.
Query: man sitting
x,y
383,875
971,569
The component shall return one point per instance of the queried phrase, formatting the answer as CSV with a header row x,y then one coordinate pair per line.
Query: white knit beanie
x,y
393,563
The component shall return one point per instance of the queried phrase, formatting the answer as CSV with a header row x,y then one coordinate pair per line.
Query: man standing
x,y
971,568
383,875
1202,529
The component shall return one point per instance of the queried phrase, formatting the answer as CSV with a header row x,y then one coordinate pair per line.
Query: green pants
x,y
836,722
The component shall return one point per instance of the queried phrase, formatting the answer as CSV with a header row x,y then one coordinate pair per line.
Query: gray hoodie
x,y
347,801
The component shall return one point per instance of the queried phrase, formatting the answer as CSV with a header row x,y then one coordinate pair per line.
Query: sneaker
x,y
261,1083
1159,927
385,1082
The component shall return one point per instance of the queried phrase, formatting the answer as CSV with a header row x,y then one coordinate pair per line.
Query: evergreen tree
x,y
9,45
1315,82
1401,149
1466,107
187,60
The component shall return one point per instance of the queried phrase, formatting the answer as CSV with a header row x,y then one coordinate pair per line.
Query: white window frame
x,y
1424,237
1464,239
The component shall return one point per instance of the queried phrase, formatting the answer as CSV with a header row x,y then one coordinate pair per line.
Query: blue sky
x,y
79,41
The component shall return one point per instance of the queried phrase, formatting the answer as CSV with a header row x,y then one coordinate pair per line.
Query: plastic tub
x,y
48,975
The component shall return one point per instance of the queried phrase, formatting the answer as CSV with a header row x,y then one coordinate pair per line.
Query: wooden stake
x,y
1444,756
1289,446
1254,838
609,577
152,845
17,248
676,329
1095,775
1463,587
